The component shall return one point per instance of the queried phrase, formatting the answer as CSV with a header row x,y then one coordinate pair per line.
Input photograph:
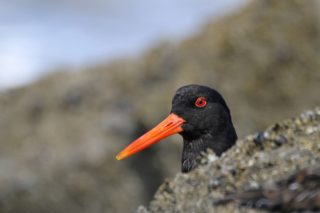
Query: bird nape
x,y
201,116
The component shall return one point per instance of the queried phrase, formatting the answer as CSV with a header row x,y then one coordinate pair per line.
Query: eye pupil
x,y
201,102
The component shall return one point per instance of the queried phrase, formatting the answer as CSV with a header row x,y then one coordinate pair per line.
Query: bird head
x,y
197,111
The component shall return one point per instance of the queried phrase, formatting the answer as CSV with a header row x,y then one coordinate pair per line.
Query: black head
x,y
201,116
208,122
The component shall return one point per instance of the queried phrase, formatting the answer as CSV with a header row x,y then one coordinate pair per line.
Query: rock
x,y
297,193
247,177
59,136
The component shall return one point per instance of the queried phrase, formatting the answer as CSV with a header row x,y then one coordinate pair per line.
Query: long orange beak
x,y
169,126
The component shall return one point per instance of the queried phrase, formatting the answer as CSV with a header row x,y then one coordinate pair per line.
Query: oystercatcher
x,y
201,115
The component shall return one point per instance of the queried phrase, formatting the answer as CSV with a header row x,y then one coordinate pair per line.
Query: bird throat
x,y
192,151
195,148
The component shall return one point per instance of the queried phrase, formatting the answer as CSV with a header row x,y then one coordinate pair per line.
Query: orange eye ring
x,y
201,102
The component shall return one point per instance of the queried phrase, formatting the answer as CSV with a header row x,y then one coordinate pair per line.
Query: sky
x,y
39,36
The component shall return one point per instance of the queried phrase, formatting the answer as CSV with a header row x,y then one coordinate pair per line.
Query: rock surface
x,y
59,135
253,167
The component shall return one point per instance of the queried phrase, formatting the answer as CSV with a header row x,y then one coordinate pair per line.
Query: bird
x,y
203,119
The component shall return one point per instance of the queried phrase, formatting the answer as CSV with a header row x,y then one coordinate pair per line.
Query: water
x,y
39,36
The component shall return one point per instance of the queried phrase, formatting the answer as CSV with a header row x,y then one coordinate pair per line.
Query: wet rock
x,y
260,138
260,179
264,60
298,193
280,140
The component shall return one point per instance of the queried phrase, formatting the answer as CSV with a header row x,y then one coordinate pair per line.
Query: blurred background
x,y
40,36
79,80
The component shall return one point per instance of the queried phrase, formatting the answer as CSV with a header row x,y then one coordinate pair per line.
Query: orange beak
x,y
169,126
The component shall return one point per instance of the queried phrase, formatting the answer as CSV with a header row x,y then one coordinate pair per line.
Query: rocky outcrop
x,y
277,170
59,136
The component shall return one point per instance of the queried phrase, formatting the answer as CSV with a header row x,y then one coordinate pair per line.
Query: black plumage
x,y
201,116
208,127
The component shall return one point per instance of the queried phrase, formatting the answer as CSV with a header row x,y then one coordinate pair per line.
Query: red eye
x,y
201,102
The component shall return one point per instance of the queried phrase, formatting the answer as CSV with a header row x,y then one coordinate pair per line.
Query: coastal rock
x,y
59,135
253,177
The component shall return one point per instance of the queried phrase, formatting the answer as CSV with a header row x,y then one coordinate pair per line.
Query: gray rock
x,y
59,135
246,168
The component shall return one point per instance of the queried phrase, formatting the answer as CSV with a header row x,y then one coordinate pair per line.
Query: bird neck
x,y
193,148
191,151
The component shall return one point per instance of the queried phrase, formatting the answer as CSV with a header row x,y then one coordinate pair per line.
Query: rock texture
x,y
255,173
59,136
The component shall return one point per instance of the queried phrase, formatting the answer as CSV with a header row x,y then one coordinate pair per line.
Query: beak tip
x,y
169,126
121,155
